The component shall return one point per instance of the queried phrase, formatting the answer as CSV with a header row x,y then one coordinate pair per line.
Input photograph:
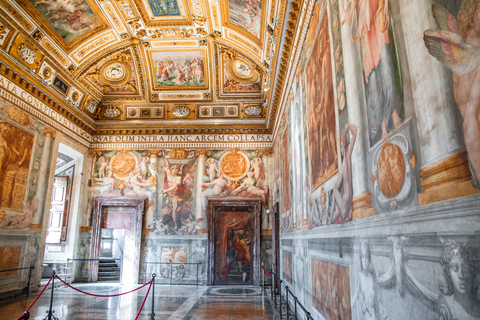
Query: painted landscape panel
x,y
178,68
321,110
247,15
286,171
331,290
287,266
70,18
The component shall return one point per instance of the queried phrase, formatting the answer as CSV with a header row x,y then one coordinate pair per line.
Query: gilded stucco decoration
x,y
94,54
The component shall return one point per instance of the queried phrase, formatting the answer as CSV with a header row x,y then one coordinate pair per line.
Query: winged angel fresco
x,y
177,182
457,46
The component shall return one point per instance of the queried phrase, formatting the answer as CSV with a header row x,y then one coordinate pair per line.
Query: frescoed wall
x,y
377,147
26,147
178,183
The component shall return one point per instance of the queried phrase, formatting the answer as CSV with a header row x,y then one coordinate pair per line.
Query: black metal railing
x,y
173,273
26,289
283,302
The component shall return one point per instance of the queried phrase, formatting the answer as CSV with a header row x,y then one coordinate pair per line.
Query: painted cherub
x,y
190,225
142,166
258,168
103,162
457,46
212,167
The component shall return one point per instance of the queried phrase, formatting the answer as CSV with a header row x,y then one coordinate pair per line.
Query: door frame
x,y
215,207
136,229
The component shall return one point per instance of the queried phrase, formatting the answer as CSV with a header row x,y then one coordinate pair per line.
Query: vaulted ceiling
x,y
180,64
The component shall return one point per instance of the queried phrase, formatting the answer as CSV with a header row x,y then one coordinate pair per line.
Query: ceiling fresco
x,y
175,63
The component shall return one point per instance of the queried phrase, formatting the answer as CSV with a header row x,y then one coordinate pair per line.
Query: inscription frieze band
x,y
24,100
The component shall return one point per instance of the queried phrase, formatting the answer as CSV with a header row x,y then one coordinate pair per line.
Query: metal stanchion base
x,y
50,316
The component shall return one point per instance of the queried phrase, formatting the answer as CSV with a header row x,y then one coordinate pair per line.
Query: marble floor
x,y
171,302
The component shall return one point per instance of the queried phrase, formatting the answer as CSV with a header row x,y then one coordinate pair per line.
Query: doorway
x,y
234,242
111,254
117,230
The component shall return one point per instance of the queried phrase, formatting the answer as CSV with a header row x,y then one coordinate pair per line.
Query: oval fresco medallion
x,y
115,73
391,169
234,164
123,164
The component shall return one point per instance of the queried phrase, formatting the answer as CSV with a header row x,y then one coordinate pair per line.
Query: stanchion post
x,y
50,312
152,315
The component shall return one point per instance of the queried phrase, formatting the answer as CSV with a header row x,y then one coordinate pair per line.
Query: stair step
x,y
109,269
109,272
108,278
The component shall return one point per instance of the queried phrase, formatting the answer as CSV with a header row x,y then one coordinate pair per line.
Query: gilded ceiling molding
x,y
23,79
130,80
87,64
288,46
231,54
155,130
185,20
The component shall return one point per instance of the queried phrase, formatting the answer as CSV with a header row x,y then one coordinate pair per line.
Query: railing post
x,y
196,284
271,288
152,315
295,298
280,296
263,276
288,306
29,277
171,273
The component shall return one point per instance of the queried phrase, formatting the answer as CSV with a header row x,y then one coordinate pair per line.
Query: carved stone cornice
x,y
288,48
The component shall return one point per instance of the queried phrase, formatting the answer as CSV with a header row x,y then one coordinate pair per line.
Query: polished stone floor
x,y
171,302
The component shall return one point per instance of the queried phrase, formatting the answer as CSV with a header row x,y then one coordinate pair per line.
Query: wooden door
x,y
234,242
57,209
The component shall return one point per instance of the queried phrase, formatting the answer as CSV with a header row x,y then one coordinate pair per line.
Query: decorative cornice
x,y
23,78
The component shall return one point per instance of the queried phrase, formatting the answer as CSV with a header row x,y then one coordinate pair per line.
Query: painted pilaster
x,y
44,175
201,172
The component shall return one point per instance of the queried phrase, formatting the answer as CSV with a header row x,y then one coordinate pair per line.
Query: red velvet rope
x,y
104,295
268,275
145,299
40,294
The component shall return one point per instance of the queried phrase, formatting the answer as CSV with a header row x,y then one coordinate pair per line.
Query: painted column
x,y
155,181
267,155
357,115
43,175
438,119
201,172
357,109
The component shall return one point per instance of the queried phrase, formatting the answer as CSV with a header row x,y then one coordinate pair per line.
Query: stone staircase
x,y
108,271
